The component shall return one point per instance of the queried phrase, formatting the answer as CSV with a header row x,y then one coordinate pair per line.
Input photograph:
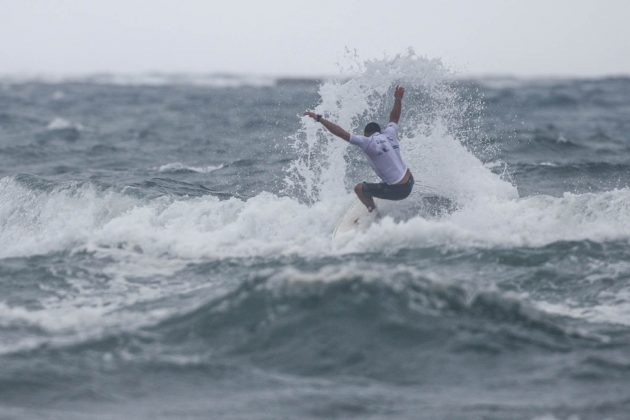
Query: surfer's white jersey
x,y
383,152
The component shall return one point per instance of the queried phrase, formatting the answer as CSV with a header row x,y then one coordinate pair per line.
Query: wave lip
x,y
63,124
178,167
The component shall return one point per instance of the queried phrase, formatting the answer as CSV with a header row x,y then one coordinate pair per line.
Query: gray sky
x,y
293,37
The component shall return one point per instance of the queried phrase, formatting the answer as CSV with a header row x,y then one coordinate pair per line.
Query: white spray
x,y
432,115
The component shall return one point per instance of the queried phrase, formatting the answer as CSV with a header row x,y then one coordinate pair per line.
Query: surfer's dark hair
x,y
371,128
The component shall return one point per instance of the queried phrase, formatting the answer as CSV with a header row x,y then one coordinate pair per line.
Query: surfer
x,y
383,152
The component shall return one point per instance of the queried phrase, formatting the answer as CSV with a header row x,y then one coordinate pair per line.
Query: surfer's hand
x,y
399,92
310,114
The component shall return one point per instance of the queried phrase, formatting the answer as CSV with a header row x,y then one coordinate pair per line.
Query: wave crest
x,y
353,322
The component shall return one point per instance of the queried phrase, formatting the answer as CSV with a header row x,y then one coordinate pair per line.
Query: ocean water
x,y
166,249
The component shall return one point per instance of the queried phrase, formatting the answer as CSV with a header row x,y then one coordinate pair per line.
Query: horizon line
x,y
189,76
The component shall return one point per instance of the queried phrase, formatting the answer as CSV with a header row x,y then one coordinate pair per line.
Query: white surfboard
x,y
426,205
356,218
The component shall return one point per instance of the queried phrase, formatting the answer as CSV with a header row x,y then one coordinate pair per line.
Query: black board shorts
x,y
387,191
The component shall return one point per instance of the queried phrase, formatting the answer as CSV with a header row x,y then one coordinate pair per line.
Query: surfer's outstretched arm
x,y
330,126
394,116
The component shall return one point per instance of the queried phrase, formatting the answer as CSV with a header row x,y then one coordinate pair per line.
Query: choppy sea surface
x,y
166,249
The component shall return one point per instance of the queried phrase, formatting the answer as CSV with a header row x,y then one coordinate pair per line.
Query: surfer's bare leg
x,y
367,200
